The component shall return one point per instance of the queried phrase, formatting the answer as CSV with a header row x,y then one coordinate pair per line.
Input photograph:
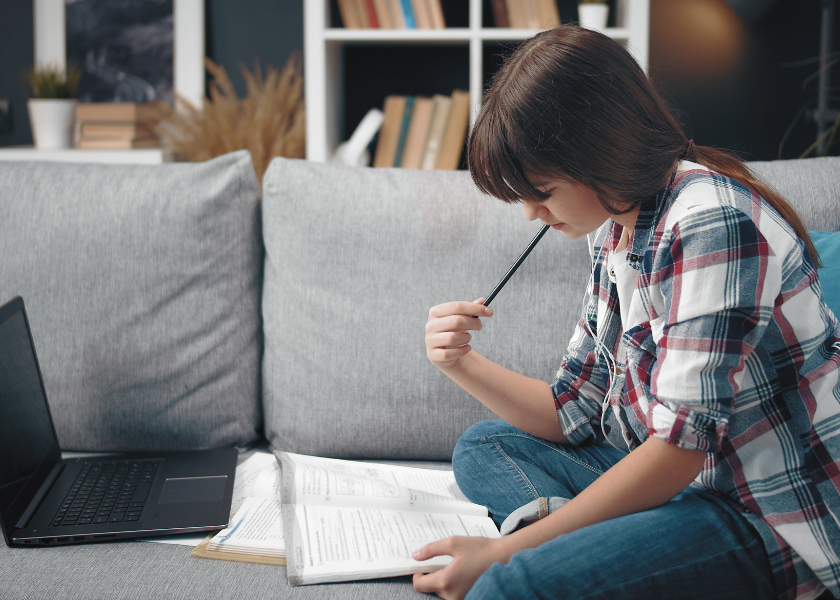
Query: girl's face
x,y
573,209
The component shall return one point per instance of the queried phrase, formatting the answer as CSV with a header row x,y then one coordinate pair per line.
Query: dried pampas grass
x,y
270,121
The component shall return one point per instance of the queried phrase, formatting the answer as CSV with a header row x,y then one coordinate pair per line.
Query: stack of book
x,y
526,14
118,125
420,132
392,14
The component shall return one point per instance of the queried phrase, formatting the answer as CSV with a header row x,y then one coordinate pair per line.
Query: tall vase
x,y
52,122
593,16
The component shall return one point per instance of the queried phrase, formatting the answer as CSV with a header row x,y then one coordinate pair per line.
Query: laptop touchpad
x,y
193,489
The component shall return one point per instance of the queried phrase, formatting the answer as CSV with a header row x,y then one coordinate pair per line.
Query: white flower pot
x,y
52,122
593,16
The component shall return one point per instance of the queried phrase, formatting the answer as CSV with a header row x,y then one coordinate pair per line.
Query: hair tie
x,y
690,153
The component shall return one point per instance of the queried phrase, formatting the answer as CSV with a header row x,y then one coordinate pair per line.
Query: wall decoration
x,y
124,43
123,48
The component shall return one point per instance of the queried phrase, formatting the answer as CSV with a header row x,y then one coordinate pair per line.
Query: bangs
x,y
498,166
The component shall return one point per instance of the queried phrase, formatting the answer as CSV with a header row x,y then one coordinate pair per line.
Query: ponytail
x,y
734,168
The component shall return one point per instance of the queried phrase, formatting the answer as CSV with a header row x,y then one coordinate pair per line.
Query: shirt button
x,y
619,370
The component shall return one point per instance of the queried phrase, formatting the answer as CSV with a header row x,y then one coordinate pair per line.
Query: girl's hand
x,y
471,556
447,331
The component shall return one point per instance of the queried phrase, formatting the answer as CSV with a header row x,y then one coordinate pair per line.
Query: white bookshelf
x,y
144,156
324,58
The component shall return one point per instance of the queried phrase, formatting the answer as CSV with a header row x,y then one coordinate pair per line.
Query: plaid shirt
x,y
729,350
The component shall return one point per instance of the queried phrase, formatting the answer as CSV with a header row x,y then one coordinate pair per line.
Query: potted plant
x,y
52,107
593,14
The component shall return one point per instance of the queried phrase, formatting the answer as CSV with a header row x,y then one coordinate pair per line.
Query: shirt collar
x,y
645,227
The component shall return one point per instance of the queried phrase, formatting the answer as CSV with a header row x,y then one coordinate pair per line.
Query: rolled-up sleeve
x,y
711,274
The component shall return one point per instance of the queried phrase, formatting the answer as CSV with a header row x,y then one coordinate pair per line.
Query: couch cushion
x,y
354,260
811,186
142,285
828,246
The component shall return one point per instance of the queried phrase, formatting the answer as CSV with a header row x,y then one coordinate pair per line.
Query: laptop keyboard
x,y
108,492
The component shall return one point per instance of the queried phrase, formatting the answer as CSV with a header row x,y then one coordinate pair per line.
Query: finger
x,y
459,323
448,339
432,549
459,308
428,583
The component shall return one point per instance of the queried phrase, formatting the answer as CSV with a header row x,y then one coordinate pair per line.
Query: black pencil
x,y
515,266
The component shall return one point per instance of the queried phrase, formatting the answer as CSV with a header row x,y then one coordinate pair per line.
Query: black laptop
x,y
47,501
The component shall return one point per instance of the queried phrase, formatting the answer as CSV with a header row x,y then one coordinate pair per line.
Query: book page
x,y
252,479
257,528
331,543
331,482
268,483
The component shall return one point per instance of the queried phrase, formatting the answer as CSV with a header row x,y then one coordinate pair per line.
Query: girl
x,y
688,448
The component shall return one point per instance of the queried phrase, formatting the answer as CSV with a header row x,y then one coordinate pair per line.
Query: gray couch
x,y
180,306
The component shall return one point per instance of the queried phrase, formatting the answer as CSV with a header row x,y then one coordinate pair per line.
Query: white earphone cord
x,y
601,351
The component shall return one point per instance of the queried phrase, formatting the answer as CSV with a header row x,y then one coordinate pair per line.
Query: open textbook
x,y
346,520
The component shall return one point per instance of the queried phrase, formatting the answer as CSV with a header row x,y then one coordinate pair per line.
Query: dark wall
x,y
727,75
16,54
236,32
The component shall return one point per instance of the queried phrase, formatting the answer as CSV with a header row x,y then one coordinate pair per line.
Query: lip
x,y
557,226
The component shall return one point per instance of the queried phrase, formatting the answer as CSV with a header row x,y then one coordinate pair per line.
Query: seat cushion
x,y
142,285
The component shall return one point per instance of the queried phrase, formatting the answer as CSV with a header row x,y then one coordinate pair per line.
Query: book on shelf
x,y
392,14
370,13
395,11
351,18
406,120
428,14
434,139
408,14
384,14
346,520
526,14
420,132
118,125
117,129
122,111
549,16
500,16
389,133
114,143
454,135
436,11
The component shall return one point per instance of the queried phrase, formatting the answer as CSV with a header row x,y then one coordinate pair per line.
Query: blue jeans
x,y
695,546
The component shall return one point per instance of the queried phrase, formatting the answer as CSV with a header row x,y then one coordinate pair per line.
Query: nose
x,y
533,210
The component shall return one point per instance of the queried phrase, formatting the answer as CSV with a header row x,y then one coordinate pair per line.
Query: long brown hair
x,y
572,103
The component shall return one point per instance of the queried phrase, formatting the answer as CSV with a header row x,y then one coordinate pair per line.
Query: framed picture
x,y
187,48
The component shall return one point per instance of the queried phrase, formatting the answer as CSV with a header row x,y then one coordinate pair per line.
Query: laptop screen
x,y
27,437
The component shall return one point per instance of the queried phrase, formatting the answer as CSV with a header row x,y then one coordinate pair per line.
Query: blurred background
x,y
733,70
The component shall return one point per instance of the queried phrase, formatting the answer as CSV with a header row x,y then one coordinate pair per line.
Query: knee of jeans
x,y
475,435
490,585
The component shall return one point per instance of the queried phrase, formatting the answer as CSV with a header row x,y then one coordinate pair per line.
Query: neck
x,y
627,220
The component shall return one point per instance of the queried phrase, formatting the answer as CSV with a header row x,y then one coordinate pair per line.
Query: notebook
x,y
47,501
